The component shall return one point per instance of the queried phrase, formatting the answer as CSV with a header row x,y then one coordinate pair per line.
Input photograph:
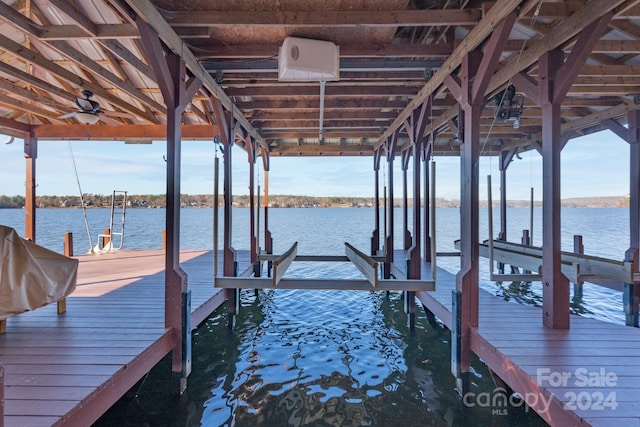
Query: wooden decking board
x,y
71,351
68,369
61,369
513,342
47,393
30,421
43,408
59,381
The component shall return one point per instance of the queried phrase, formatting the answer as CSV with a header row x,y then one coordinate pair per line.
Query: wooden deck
x,y
529,357
69,369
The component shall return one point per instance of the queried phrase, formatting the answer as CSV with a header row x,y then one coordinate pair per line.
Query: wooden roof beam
x,y
336,103
206,51
148,12
120,133
66,75
71,10
325,18
554,39
330,91
475,37
102,32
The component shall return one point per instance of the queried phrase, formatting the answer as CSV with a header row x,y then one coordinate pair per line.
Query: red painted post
x,y
253,244
268,240
30,154
1,396
631,293
164,239
375,237
68,244
426,205
406,234
106,239
476,70
555,285
415,271
388,245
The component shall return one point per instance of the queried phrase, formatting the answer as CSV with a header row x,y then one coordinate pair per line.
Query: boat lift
x,y
368,266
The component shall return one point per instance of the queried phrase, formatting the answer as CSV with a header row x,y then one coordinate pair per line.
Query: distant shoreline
x,y
286,201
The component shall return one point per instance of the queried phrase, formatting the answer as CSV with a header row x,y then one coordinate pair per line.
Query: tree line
x,y
186,200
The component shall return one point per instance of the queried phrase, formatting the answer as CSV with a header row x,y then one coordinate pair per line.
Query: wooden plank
x,y
367,265
282,263
31,421
327,18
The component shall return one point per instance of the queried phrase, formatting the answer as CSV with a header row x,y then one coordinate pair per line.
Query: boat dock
x,y
400,82
587,375
69,369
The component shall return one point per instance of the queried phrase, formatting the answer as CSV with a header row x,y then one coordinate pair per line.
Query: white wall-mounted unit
x,y
306,60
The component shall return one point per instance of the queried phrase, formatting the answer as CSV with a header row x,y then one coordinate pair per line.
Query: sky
x,y
594,165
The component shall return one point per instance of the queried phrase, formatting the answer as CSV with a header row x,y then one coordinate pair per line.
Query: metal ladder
x,y
116,223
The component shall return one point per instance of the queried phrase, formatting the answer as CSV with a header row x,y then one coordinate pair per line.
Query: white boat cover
x,y
31,276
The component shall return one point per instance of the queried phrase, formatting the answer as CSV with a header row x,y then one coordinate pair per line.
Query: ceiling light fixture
x,y
87,118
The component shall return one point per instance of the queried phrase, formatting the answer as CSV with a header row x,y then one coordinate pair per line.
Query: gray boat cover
x,y
31,276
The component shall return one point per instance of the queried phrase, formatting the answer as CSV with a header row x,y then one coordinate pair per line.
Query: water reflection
x,y
315,358
353,363
520,292
531,293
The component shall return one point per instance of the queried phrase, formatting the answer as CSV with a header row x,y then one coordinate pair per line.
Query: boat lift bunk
x,y
367,265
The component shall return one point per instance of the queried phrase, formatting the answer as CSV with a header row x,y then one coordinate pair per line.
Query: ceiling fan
x,y
90,113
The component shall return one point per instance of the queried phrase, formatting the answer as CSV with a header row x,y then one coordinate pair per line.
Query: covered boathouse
x,y
394,79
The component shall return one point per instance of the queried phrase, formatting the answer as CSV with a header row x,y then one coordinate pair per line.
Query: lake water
x,y
326,357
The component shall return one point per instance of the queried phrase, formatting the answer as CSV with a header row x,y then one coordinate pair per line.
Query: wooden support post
x,y
388,245
465,296
106,238
555,285
177,91
555,78
216,216
1,396
631,134
229,264
505,161
375,237
427,205
469,87
68,244
253,241
68,252
406,234
30,154
268,240
415,250
631,292
578,248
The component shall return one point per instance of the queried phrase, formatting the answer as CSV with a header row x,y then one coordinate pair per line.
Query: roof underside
x,y
390,50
